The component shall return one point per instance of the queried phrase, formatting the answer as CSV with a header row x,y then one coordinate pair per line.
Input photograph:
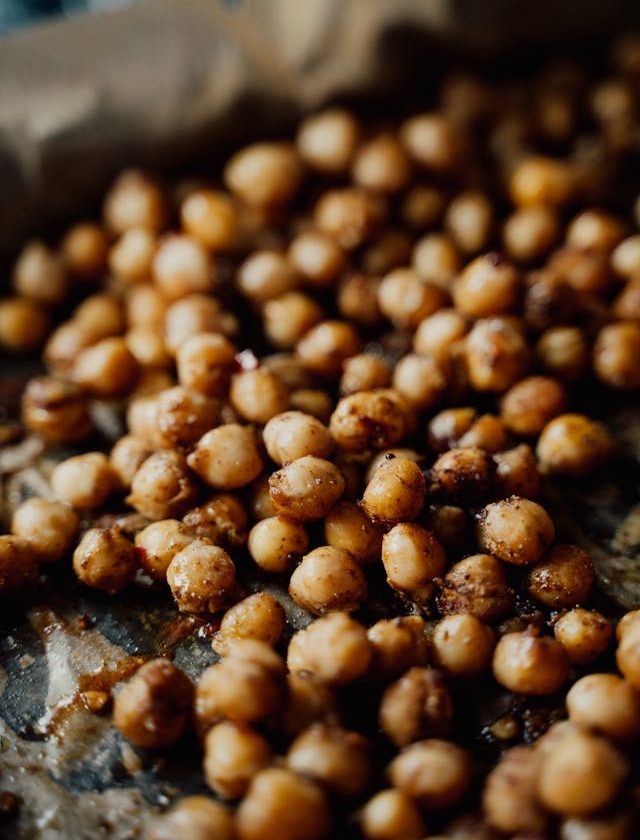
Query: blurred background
x,y
16,13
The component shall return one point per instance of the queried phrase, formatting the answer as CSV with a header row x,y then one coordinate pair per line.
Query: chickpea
x,y
264,174
487,286
396,492
23,325
205,362
49,527
181,266
436,260
346,527
83,481
422,207
56,410
381,165
595,229
266,275
616,355
392,249
530,232
510,796
586,271
233,754
162,487
563,578
246,686
476,585
573,445
420,380
201,577
84,249
431,140
284,805
210,216
18,565
105,559
391,815
40,275
135,201
276,542
529,664
398,644
307,701
357,299
107,369
227,457
418,705
222,519
461,475
333,757
626,305
334,649
625,259
182,417
328,579
435,773
584,634
533,402
317,258
293,435
131,258
469,220
607,704
486,432
396,452
437,334
351,215
364,372
406,299
158,544
287,317
147,347
496,354
326,346
195,817
516,530
563,352
628,655
412,558
517,472
258,616
542,180
154,708
191,315
327,141
463,645
145,306
607,827
447,427
449,524
580,774
369,419
306,488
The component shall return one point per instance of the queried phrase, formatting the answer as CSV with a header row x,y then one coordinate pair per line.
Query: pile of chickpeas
x,y
348,367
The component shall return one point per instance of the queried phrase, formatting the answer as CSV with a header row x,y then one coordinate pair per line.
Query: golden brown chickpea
x,y
182,416
607,704
18,565
529,233
449,524
357,299
264,174
398,644
397,452
607,827
628,622
259,616
258,395
49,527
306,488
626,305
260,504
63,345
461,475
510,796
418,705
284,805
390,250
195,817
346,527
463,645
333,757
292,434
369,419
153,709
101,316
84,481
548,300
625,260
276,543
328,579
247,685
288,317
563,578
563,352
542,180
307,701
496,354
437,334
145,306
205,362
573,445
580,774
135,201
191,315
334,649
391,815
40,274
517,472
515,530
476,585
146,344
84,248
351,215
326,346
616,355
162,487
406,299
317,258
56,410
107,369
595,229
412,558
469,221
584,634
23,325
529,405
210,216
435,773
266,275
381,165
585,271
131,258
158,544
233,754
395,492
436,260
420,380
447,427
105,559
327,141
486,432
432,141
227,457
364,372
529,664
201,577
181,266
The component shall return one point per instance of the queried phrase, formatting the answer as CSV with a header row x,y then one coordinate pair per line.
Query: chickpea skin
x,y
162,487
418,705
584,634
515,530
258,616
563,578
396,491
462,645
48,526
529,664
334,649
412,558
227,457
391,815
434,773
18,565
154,708
233,754
306,488
476,585
105,559
201,577
530,404
328,579
606,704
332,756
573,445
83,481
195,817
293,434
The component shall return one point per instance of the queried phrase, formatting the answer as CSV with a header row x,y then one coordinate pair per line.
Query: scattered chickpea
x,y
352,216
420,381
563,352
573,445
542,180
515,530
328,579
533,402
496,354
182,416
488,286
317,257
431,141
332,756
130,259
227,457
418,705
196,817
48,526
462,645
259,616
306,488
181,266
326,346
84,249
105,559
398,644
435,773
625,259
287,317
162,487
437,334
135,201
369,419
56,410
264,174
327,141
381,165
107,369
391,815
476,585
334,649
461,475
40,275
210,217
436,260
201,577
127,456
233,754
83,481
628,654
469,219
406,300
346,527
266,275
357,299
412,558
584,634
292,434
563,578
530,232
158,543
276,542
606,704
529,664
189,316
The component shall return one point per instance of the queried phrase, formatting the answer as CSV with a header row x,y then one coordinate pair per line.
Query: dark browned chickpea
x,y
462,645
517,472
259,616
276,543
587,272
191,315
563,578
49,527
515,530
573,445
317,258
195,817
162,487
84,249
584,634
412,558
182,416
18,565
134,201
288,317
369,419
56,410
306,488
476,585
510,796
398,644
530,232
449,524
381,165
333,757
438,333
23,325
542,180
327,141
325,347
616,355
334,649
40,274
496,354
461,474
154,708
364,372
233,754
469,220
201,577
84,481
282,804
420,380
107,369
436,260
292,434
352,216
105,559
357,299
626,305
419,705
607,704
548,301
435,773
432,141
227,457
210,216
526,663
396,491
266,275
346,527
391,815
406,299
222,519
529,405
264,174
158,544
307,700
181,266
328,579
391,249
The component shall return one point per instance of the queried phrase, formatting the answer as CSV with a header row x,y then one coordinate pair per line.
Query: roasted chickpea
x,y
533,402
516,530
461,475
84,481
449,524
334,649
201,577
182,416
135,201
616,355
627,302
420,380
259,616
530,232
189,316
542,180
517,472
406,300
391,815
346,527
131,259
162,487
486,432
487,286
222,519
40,274
227,457
395,492
435,773
462,645
392,249
357,299
266,275
436,260
607,827
326,346
144,306
146,344
364,372
127,456
573,445
496,354
276,543
412,558
105,559
18,565
628,653
595,229
258,395
351,215
158,544
625,259
529,664
381,165
210,216
607,704
369,419
476,585
398,644
181,266
306,488
585,271
287,317
23,325
84,249
49,527
437,334
447,427
423,206
292,435
327,141
233,754
333,757
432,142
107,369
563,578
264,174
317,258
56,410
510,796
469,219
195,817
418,705
328,579
563,352
584,634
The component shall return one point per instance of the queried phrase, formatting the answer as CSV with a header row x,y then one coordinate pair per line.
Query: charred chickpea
x,y
205,362
154,708
398,644
462,645
607,704
84,249
510,796
131,257
395,492
369,420
264,174
412,558
351,215
476,585
515,530
562,578
437,334
191,315
530,404
584,634
162,487
469,220
364,372
56,410
526,663
182,416
381,165
259,616
196,817
346,527
530,232
158,544
49,527
18,565
40,275
328,579
334,649
306,488
496,354
461,475
542,180
266,275
105,559
107,369
201,577
317,258
357,299
432,141
326,346
418,705
435,773
135,201
573,445
517,472
292,434
287,317
227,457
233,754
181,266
391,815
84,481
327,141
420,380
210,216
406,300
276,542
333,757
23,325
616,355
436,260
